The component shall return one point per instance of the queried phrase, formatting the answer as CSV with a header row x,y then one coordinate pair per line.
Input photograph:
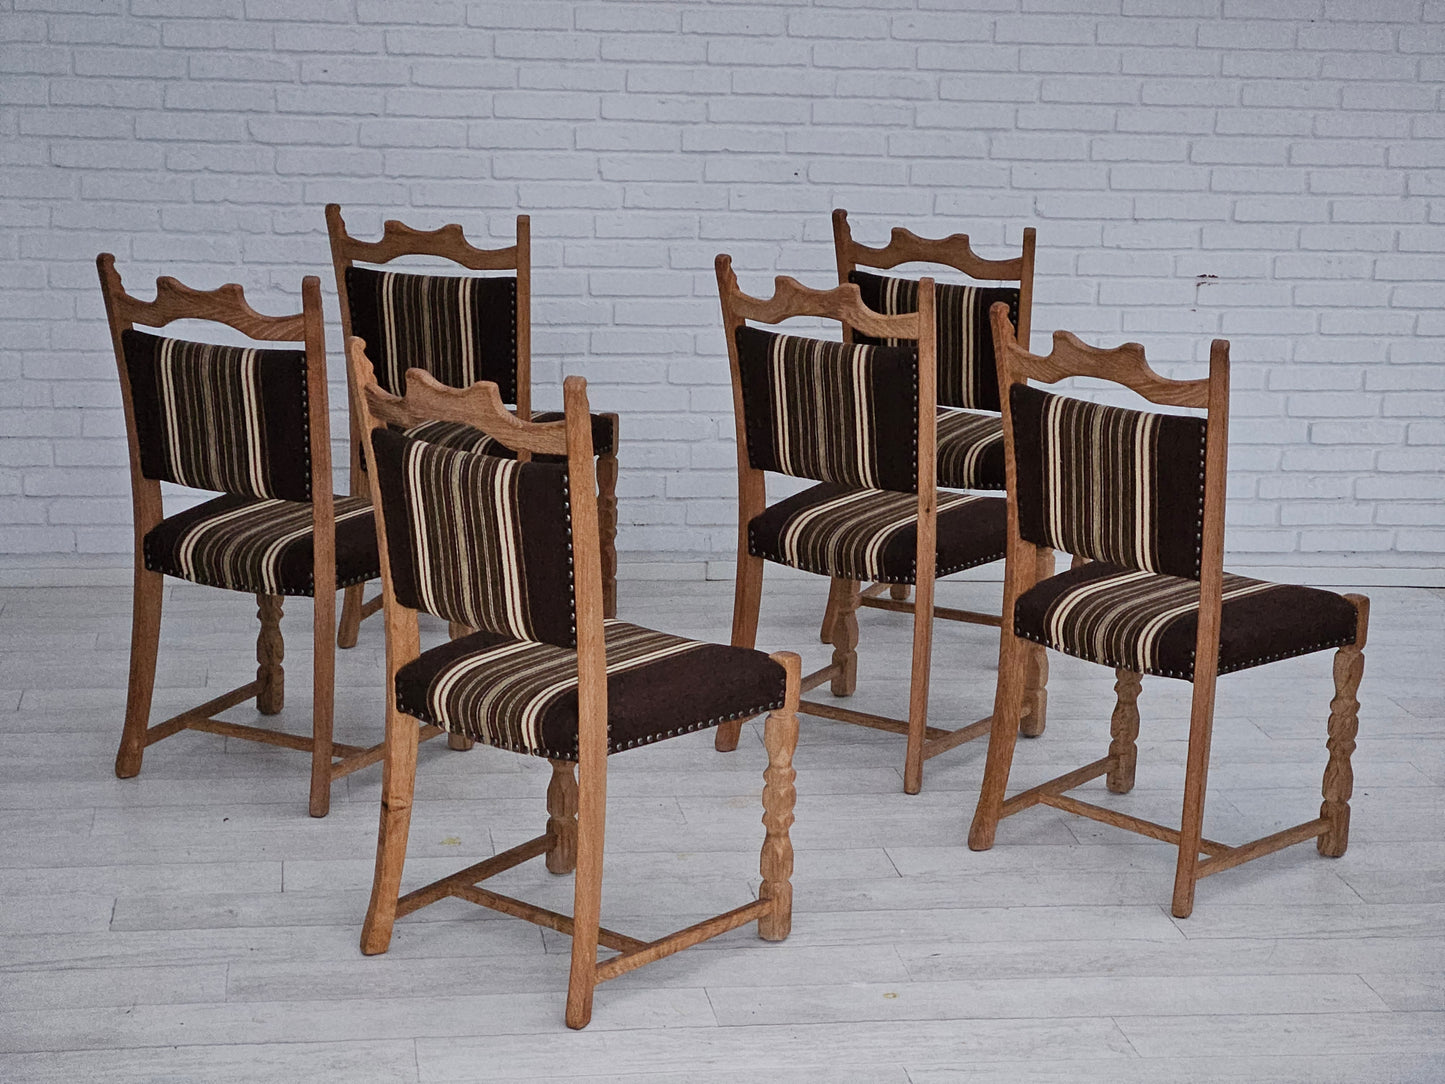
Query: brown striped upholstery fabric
x,y
459,328
261,546
522,695
478,539
872,534
1125,487
464,437
224,418
1148,623
828,411
970,450
967,373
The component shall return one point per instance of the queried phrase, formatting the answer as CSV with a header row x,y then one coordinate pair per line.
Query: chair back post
x,y
323,509
1216,471
523,260
843,255
927,535
587,584
147,508
1020,556
1026,288
338,239
752,484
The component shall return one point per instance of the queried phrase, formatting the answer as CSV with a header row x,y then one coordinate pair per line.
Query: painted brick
x,y
1293,149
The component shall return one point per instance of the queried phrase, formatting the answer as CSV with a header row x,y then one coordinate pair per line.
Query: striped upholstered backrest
x,y
227,418
829,411
1121,486
967,376
459,328
478,539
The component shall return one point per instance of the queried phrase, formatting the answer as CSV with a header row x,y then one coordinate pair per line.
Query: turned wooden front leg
x,y
780,736
562,818
1339,781
270,650
1124,729
844,604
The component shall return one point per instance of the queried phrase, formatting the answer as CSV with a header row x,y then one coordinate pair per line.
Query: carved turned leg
x,y
351,602
562,818
1124,729
455,631
398,782
145,639
844,602
607,529
780,735
1339,782
270,650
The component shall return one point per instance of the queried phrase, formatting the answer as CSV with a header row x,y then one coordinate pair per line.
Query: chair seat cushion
x,y
872,534
522,695
1147,622
465,438
970,450
261,546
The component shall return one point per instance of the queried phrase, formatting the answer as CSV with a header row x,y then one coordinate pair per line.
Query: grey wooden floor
x,y
194,924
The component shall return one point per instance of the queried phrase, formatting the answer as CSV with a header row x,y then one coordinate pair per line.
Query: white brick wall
x,y
1269,171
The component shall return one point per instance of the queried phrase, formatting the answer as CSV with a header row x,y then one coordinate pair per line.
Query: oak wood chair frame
x,y
576,804
450,243
330,760
844,304
956,252
1126,365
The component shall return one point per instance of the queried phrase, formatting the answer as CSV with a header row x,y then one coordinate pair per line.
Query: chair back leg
x,y
587,897
350,627
747,600
1196,778
145,638
918,685
323,697
1003,736
780,736
398,783
270,650
607,528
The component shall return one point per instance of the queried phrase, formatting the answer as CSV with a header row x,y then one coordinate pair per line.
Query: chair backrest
x,y
854,414
496,544
247,421
459,328
1138,489
967,375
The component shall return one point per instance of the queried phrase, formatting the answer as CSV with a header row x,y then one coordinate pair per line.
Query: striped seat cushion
x,y
459,328
970,450
522,695
872,534
967,372
261,546
825,410
225,418
1125,487
465,437
1147,623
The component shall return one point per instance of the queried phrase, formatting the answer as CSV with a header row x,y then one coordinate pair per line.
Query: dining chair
x,y
1139,496
859,421
969,427
249,423
510,548
461,328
